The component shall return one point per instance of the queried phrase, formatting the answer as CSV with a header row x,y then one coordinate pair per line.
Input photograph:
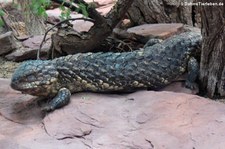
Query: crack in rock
x,y
85,133
150,142
87,123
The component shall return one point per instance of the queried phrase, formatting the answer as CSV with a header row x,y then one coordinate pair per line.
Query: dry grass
x,y
7,68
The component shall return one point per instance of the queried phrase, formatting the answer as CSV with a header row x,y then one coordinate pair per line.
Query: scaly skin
x,y
152,67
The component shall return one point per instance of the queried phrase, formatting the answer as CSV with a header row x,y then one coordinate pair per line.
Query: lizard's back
x,y
152,67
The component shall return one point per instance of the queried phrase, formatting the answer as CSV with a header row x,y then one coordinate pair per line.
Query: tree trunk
x,y
212,68
163,11
34,24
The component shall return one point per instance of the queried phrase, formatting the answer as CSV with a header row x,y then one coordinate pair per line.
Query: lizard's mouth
x,y
27,88
15,85
33,88
23,87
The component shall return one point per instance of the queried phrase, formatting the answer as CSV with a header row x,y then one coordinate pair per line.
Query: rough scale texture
x,y
152,67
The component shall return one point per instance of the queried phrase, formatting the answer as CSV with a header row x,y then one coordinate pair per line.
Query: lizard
x,y
152,67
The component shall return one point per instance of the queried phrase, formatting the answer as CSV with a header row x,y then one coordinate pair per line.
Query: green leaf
x,y
1,22
38,7
83,9
62,8
1,12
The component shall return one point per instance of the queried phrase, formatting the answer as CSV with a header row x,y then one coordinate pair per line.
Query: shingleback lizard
x,y
152,67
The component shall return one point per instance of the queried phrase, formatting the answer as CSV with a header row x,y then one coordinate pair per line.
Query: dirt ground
x,y
7,68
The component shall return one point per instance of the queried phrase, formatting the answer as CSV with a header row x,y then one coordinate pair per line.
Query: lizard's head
x,y
35,77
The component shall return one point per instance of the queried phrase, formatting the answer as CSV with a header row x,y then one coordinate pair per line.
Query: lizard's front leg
x,y
60,100
193,71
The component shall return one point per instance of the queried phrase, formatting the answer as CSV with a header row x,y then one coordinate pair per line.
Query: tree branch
x,y
117,13
102,28
58,24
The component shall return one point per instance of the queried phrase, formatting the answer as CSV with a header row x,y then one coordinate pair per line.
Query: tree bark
x,y
212,68
34,24
162,11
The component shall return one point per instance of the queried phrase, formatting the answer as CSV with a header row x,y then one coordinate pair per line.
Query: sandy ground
x,y
7,68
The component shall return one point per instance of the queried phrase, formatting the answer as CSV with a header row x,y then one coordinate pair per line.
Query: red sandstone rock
x,y
102,2
7,43
157,30
103,6
29,49
144,119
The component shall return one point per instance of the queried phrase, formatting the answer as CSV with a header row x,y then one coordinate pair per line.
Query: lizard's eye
x,y
31,78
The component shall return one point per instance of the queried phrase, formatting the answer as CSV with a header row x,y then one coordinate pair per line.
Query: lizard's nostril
x,y
13,84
